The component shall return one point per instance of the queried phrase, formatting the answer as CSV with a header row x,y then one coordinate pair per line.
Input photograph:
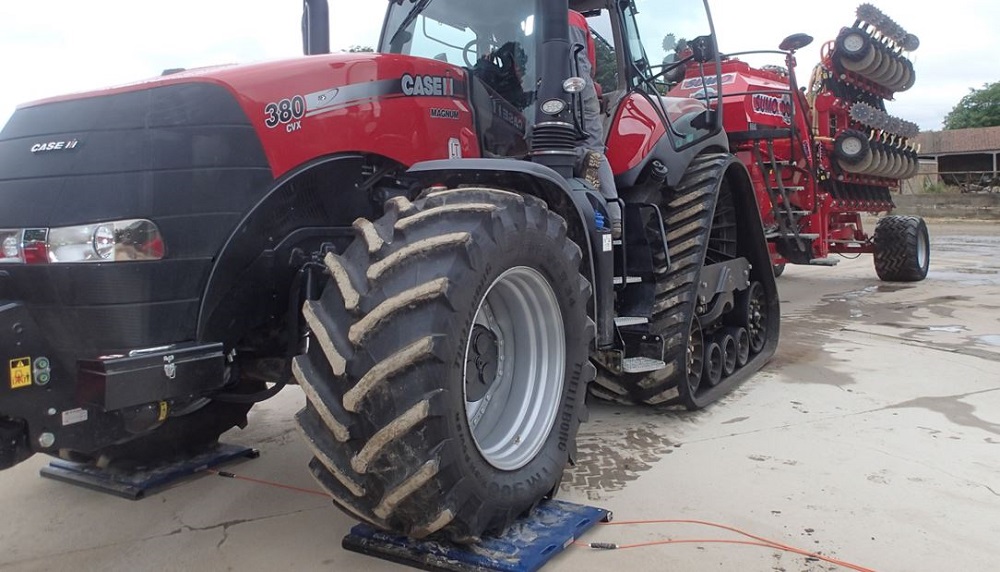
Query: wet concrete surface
x,y
873,436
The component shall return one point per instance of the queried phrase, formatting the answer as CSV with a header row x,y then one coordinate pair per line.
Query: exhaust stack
x,y
315,27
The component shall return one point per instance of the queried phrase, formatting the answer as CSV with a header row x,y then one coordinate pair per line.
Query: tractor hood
x,y
281,99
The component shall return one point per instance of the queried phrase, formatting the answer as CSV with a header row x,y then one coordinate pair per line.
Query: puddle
x,y
954,408
981,271
889,288
961,276
948,329
990,340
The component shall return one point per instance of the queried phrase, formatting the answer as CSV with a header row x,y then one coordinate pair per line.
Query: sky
x,y
61,46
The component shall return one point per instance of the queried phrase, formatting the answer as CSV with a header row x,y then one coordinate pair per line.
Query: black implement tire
x,y
851,147
854,45
401,438
902,249
779,269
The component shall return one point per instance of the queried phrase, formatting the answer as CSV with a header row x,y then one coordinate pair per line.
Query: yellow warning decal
x,y
164,411
20,372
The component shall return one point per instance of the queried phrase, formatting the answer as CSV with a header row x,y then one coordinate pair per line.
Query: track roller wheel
x,y
729,354
714,362
742,339
902,249
695,357
751,309
448,364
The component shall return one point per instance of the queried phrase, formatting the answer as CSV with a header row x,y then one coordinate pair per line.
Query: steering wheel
x,y
470,54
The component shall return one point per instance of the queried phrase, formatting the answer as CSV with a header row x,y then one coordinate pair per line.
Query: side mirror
x,y
703,49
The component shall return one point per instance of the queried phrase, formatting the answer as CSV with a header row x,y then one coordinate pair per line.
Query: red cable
x,y
269,483
761,541
764,542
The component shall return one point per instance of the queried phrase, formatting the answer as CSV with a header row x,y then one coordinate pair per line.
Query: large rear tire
x,y
447,370
902,249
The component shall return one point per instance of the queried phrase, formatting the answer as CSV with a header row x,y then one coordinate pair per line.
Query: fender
x,y
639,135
300,208
572,199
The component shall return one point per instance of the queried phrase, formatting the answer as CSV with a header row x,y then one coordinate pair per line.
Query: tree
x,y
981,108
607,66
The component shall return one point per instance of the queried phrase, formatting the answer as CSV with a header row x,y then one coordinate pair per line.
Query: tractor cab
x,y
499,47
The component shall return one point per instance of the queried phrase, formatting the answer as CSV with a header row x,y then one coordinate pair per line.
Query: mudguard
x,y
573,199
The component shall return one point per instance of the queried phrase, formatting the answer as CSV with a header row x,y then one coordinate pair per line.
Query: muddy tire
x,y
448,365
902,249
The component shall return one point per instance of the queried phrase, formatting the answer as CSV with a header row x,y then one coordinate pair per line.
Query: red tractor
x,y
823,156
409,235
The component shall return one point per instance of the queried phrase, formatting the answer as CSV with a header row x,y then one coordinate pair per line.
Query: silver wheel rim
x,y
922,250
852,146
520,317
853,43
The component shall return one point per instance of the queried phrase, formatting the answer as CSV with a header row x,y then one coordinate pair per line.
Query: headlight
x,y
118,241
574,85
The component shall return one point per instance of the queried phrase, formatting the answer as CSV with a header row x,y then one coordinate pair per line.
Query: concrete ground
x,y
873,436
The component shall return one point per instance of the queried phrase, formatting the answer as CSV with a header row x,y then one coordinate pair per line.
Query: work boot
x,y
615,220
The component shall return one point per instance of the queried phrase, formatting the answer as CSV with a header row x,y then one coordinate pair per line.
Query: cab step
x,y
642,365
628,321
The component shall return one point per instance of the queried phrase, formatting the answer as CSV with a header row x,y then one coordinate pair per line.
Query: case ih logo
x,y
427,85
710,81
54,146
773,106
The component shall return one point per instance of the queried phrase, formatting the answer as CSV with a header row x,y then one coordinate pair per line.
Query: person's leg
x,y
597,171
610,192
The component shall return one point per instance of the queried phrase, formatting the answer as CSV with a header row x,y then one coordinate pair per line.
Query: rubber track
x,y
688,220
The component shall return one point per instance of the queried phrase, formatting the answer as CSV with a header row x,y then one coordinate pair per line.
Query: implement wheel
x,y
446,377
902,249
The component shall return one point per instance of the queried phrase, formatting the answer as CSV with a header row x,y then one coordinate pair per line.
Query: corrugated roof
x,y
978,140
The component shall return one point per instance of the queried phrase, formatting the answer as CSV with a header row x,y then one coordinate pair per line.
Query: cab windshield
x,y
496,41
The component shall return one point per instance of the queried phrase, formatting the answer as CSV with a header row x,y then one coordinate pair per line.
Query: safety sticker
x,y
164,411
20,372
74,416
